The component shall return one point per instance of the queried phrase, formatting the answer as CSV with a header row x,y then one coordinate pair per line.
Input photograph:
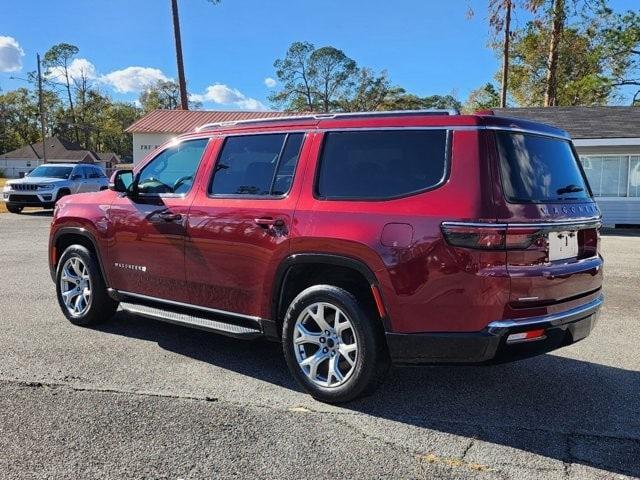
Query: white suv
x,y
46,184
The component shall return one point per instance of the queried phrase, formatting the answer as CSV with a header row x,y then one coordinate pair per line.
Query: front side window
x,y
256,165
95,172
173,170
79,173
539,169
384,164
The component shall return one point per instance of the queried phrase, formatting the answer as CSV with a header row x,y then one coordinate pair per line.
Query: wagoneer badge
x,y
140,268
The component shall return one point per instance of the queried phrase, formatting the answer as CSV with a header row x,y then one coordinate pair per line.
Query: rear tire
x,y
80,288
333,346
14,208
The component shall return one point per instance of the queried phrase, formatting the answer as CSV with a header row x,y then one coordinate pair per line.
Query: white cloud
x,y
133,79
224,95
270,82
77,69
10,55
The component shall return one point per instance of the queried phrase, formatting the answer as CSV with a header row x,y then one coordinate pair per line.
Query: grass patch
x,y
3,208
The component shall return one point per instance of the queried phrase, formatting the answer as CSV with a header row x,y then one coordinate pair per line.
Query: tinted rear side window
x,y
537,169
375,165
257,165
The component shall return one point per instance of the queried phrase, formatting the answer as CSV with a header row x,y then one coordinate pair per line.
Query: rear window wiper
x,y
571,188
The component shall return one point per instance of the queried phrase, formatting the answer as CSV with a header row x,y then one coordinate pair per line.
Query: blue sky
x,y
427,46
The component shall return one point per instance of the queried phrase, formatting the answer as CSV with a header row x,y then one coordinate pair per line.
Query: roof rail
x,y
324,116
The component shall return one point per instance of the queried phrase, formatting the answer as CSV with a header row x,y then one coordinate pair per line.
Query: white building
x,y
19,162
160,126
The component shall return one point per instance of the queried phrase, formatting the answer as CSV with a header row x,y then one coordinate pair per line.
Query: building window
x,y
634,176
613,175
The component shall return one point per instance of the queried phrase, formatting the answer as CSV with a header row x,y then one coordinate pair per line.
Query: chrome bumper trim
x,y
552,319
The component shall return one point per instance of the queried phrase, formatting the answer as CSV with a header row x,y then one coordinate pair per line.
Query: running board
x,y
193,321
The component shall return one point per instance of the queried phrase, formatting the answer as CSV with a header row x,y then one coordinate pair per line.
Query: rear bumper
x,y
490,345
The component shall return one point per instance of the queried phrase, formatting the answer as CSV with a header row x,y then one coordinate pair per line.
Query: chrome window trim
x,y
246,133
313,129
187,305
450,128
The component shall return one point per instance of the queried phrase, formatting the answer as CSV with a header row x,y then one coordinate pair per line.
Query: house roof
x,y
183,121
57,149
583,122
107,156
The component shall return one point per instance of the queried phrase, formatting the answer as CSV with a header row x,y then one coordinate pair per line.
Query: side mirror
x,y
75,176
121,181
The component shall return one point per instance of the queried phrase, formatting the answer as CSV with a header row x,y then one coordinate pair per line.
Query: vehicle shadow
x,y
561,408
37,213
620,232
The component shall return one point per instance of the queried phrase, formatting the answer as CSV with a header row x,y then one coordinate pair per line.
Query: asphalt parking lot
x,y
140,399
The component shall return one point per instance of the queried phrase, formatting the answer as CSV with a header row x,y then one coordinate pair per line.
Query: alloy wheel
x,y
325,345
75,286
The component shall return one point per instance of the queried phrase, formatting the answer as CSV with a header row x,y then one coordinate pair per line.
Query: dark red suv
x,y
356,239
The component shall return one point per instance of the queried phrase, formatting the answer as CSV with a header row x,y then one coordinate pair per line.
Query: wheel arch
x,y
329,261
67,236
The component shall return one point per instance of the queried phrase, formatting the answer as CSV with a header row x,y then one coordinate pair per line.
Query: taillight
x,y
493,237
475,236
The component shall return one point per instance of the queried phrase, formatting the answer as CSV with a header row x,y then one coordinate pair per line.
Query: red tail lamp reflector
x,y
526,336
54,255
379,303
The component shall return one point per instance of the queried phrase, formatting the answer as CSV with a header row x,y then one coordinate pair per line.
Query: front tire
x,y
80,288
14,209
333,346
61,194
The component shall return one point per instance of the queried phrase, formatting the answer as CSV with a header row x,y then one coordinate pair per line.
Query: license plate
x,y
562,245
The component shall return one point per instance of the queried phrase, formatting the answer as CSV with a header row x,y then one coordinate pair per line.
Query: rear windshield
x,y
377,165
537,169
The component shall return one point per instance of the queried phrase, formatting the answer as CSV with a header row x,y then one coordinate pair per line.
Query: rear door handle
x,y
267,222
170,217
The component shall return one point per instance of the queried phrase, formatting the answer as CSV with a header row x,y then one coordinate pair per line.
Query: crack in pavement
x,y
342,416
307,409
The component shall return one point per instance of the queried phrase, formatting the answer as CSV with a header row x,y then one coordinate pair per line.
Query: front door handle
x,y
170,217
268,222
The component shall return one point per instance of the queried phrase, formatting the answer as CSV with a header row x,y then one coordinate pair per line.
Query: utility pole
x,y
184,102
42,119
505,54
